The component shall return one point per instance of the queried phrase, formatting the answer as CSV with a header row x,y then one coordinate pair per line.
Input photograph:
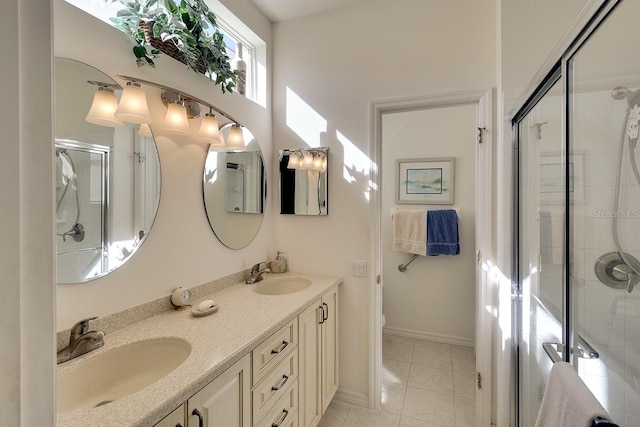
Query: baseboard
x,y
352,397
441,338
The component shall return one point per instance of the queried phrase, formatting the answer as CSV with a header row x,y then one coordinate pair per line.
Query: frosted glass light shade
x,y
145,130
210,131
176,119
235,140
294,161
102,108
324,165
133,105
307,161
317,163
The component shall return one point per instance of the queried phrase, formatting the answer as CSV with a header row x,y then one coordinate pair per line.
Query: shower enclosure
x,y
82,190
578,223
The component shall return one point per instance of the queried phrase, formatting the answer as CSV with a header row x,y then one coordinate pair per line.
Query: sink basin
x,y
119,372
281,286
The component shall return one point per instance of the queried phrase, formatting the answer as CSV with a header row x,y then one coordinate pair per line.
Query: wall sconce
x,y
307,161
294,161
235,140
104,105
210,130
175,120
133,105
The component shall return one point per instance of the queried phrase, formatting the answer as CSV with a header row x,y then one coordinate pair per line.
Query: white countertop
x,y
244,319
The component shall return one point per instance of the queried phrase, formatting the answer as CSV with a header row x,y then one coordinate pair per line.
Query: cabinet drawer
x,y
274,349
275,384
285,411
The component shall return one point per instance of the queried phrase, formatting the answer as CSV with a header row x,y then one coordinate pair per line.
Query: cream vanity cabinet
x,y
224,402
286,381
318,355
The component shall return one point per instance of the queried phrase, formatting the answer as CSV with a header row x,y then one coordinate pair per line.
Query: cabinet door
x,y
226,401
310,408
174,419
329,332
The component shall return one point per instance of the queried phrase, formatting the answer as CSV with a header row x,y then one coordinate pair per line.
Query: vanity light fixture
x,y
210,130
235,140
145,130
133,104
176,119
324,165
104,105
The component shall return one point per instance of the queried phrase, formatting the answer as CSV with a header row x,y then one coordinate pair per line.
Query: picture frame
x,y
551,185
425,181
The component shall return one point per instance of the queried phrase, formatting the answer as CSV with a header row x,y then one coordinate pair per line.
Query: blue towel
x,y
442,233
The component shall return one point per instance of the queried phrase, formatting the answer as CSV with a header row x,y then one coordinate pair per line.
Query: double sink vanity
x,y
266,357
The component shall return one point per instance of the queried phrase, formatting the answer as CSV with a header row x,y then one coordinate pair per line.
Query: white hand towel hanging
x,y
410,231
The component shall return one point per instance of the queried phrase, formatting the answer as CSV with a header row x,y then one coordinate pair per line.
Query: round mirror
x,y
107,176
234,188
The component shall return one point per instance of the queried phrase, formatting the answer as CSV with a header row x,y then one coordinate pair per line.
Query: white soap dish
x,y
199,313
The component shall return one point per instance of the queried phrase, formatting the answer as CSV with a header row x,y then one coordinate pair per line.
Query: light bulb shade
x,y
317,163
210,131
324,165
133,105
145,130
307,161
294,161
176,119
102,108
235,140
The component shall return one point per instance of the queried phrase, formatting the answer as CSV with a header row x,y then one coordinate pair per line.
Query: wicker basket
x,y
168,48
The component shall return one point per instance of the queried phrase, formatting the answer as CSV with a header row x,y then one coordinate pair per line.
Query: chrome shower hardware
x,y
616,272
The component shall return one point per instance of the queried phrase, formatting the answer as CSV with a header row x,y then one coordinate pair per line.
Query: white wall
x,y
327,69
181,249
26,207
435,296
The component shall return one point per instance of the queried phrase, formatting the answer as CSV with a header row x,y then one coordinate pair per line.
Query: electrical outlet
x,y
358,268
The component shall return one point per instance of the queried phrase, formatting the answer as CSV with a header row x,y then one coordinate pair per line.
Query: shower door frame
x,y
556,68
105,152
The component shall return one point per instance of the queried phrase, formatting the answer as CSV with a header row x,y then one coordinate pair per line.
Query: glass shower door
x,y
604,101
541,234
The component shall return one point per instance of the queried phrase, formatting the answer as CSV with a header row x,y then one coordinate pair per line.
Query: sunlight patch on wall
x,y
304,120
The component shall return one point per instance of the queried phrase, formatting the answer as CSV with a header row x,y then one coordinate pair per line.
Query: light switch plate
x,y
358,268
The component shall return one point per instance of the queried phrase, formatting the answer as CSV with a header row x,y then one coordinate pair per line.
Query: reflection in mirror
x,y
238,178
107,177
303,181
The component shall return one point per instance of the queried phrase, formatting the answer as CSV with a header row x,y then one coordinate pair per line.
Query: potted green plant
x,y
183,29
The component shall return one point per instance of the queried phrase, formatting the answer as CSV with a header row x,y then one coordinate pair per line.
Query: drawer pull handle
x,y
325,316
282,347
282,418
282,383
197,413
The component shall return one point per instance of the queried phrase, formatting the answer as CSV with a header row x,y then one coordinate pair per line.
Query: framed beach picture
x,y
425,181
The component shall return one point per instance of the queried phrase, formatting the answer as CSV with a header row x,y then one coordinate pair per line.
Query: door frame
x,y
483,99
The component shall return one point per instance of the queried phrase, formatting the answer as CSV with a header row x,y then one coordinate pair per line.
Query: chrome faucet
x,y
256,273
81,341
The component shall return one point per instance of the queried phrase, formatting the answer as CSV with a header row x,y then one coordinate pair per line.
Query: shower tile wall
x,y
608,318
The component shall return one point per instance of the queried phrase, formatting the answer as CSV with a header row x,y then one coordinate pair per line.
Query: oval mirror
x,y
234,189
107,178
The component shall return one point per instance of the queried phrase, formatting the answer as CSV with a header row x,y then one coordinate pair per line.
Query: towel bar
x,y
403,267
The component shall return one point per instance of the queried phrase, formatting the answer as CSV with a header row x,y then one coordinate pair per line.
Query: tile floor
x,y
425,384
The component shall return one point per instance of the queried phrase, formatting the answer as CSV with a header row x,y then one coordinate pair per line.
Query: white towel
x,y
567,401
410,231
